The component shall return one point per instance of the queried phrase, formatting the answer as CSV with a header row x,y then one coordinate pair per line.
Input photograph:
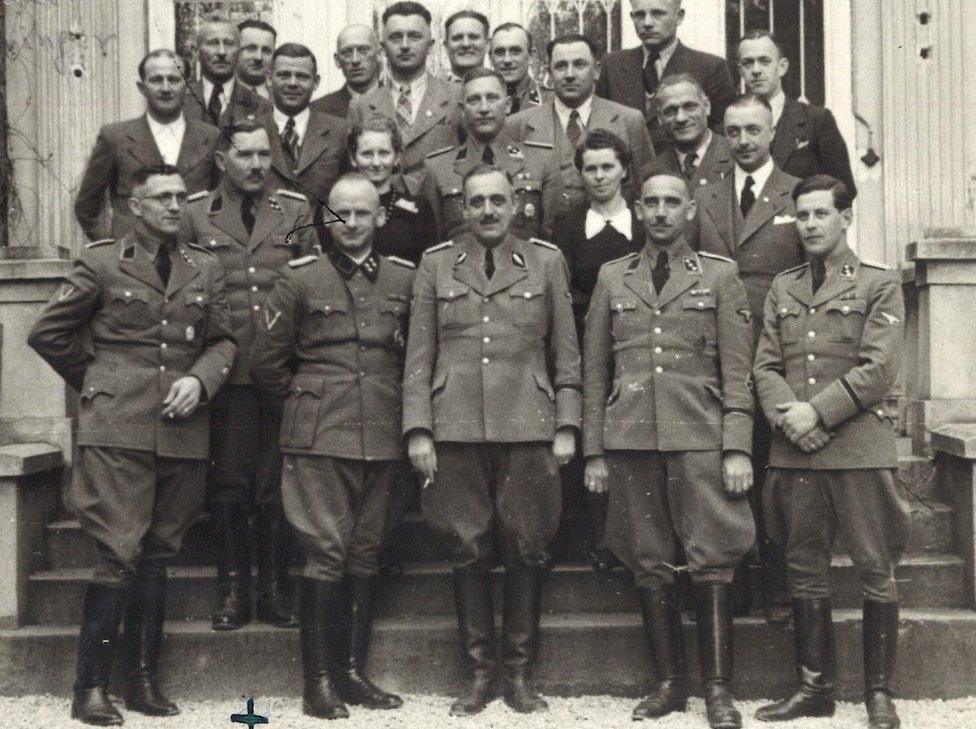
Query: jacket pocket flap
x,y
699,301
526,185
437,384
622,303
306,384
452,292
848,306
214,242
196,298
543,382
393,307
328,306
128,295
528,291
786,310
98,387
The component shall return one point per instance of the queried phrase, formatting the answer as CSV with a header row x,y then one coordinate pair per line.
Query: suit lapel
x,y
792,128
194,148
541,127
801,288
182,273
138,264
835,282
719,200
601,116
470,268
317,138
772,199
228,219
681,278
633,71
431,111
717,159
142,145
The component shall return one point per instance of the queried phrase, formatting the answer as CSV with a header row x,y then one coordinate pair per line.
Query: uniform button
x,y
784,311
451,294
657,312
701,304
256,307
362,374
484,360
813,311
485,319
362,325
213,242
812,380
164,322
254,289
811,334
362,299
163,345
362,347
162,368
251,270
659,370
527,295
486,340
128,293
658,350
620,307
485,299
657,330
845,309
810,357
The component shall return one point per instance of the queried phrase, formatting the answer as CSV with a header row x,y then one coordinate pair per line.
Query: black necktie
x,y
488,156
819,273
489,263
247,213
574,130
690,166
290,138
513,95
650,72
661,272
163,264
213,105
748,197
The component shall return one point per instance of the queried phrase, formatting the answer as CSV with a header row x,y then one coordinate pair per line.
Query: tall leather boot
x,y
880,658
271,553
662,627
713,610
143,631
100,620
319,604
231,533
351,681
476,625
520,635
813,637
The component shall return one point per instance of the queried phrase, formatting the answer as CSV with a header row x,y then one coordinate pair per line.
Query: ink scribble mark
x,y
250,718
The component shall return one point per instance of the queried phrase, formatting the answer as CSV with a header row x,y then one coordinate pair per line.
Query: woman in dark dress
x,y
589,237
374,148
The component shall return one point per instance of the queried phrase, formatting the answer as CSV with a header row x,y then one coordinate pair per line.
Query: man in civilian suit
x,y
306,146
258,41
218,98
695,152
421,104
807,140
163,134
749,216
632,76
559,124
358,57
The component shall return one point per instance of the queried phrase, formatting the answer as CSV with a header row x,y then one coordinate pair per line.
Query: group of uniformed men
x,y
217,318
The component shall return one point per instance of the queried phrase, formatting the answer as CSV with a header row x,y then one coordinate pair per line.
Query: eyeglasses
x,y
165,198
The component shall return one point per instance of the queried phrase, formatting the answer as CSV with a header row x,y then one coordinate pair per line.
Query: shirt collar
x,y
177,126
621,221
776,103
759,177
699,150
301,121
664,54
226,92
347,267
417,87
563,111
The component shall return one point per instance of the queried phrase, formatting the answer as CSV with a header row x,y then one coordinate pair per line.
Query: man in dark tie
x,y
807,141
306,146
358,57
510,53
632,76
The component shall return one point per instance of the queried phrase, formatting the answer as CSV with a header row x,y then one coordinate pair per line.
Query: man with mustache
x,y
165,134
217,98
482,140
749,216
510,52
254,59
140,328
632,76
253,231
491,404
358,57
807,141
466,42
423,106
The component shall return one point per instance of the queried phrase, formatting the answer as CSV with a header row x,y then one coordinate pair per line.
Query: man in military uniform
x,y
141,329
510,51
668,430
253,231
827,358
492,377
332,348
482,140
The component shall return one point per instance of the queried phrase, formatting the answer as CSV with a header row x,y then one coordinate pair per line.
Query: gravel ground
x,y
37,712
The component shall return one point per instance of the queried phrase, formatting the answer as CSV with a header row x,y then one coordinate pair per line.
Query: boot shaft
x,y
520,617
813,637
476,619
101,615
713,611
880,644
662,627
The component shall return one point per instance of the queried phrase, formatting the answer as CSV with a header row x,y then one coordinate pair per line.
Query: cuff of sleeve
x,y
592,445
737,432
773,391
211,382
569,408
834,404
417,416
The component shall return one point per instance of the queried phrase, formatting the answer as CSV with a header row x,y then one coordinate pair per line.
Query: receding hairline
x,y
371,33
207,23
353,180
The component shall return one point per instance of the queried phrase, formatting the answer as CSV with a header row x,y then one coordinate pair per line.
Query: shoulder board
x,y
716,256
439,247
440,151
539,145
399,261
292,194
627,257
197,195
793,270
872,264
198,247
97,243
303,261
544,243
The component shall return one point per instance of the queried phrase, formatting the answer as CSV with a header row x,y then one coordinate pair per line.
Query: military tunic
x,y
492,372
530,166
332,348
666,393
246,462
139,480
840,350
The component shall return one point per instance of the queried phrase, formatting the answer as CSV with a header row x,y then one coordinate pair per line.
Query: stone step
x,y
424,589
580,654
68,546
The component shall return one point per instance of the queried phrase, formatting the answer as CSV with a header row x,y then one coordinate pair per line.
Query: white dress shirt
x,y
777,103
418,87
664,56
227,90
301,123
699,150
563,111
621,221
169,137
759,178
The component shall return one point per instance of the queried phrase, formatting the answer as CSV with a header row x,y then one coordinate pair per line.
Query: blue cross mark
x,y
250,718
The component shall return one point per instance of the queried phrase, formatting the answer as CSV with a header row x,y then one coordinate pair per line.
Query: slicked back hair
x,y
295,50
514,26
742,101
406,7
142,175
562,40
484,169
159,53
759,34
657,169
843,200
482,72
257,25
471,14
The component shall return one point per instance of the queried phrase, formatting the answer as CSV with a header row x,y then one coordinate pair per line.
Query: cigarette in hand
x,y
426,483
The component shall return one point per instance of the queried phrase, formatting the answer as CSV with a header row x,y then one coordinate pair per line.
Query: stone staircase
x,y
591,642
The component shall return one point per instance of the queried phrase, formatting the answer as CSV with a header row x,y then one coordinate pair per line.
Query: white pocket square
x,y
783,219
801,143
